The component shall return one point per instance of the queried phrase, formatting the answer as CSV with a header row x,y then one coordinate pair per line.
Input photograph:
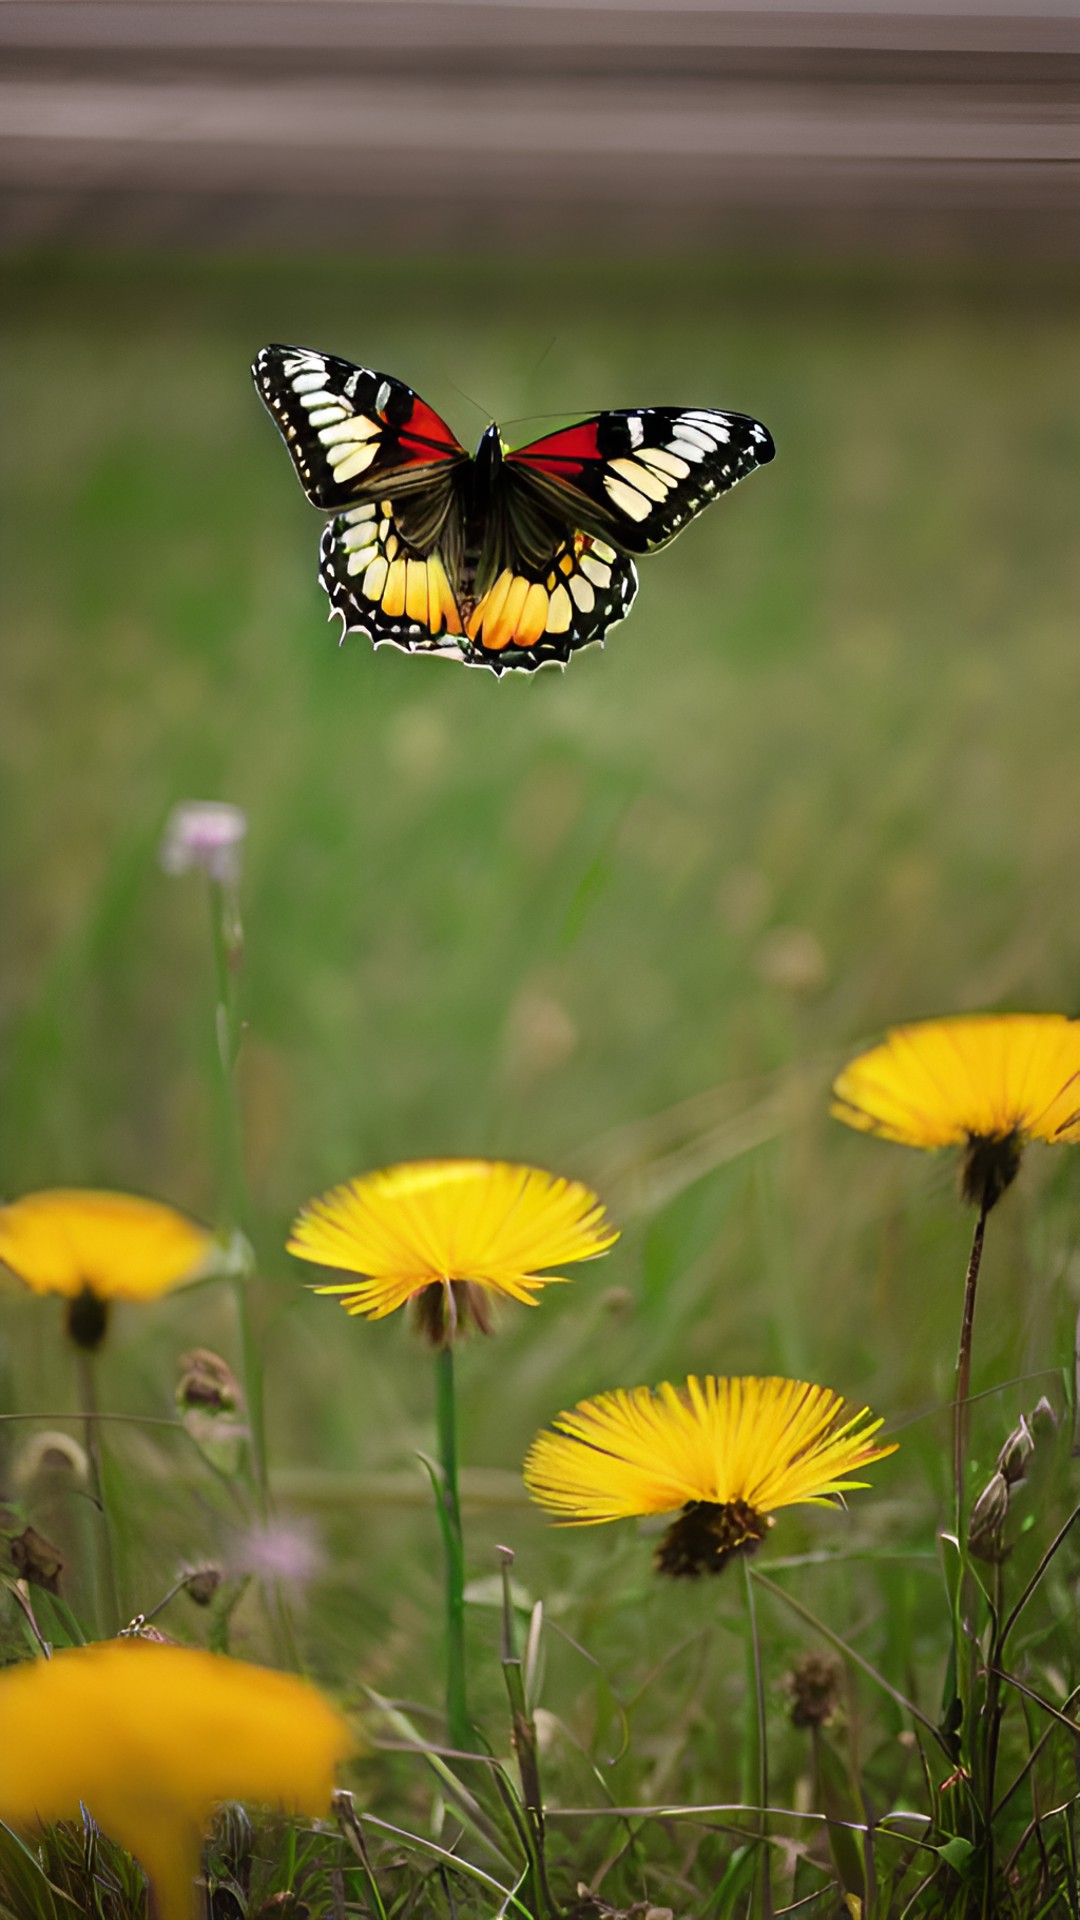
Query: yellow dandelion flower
x,y
150,1738
726,1452
95,1247
444,1233
987,1083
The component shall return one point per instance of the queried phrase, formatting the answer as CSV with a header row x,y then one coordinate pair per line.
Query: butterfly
x,y
506,558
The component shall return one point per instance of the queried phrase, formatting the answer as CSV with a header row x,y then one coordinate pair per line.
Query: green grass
x,y
625,921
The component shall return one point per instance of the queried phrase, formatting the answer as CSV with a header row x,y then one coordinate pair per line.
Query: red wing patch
x,y
566,453
350,431
640,476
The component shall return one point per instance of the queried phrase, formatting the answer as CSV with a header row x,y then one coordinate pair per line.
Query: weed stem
x,y
761,1745
108,1595
461,1734
963,1367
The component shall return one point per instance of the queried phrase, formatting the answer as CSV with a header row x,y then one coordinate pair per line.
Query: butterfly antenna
x,y
485,412
543,356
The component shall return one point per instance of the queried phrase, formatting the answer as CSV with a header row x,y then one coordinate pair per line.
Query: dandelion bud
x,y
1015,1454
34,1559
207,1383
202,1583
813,1688
988,1517
211,1403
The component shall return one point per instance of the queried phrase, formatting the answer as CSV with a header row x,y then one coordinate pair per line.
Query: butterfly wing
x,y
385,581
354,434
368,449
542,606
637,477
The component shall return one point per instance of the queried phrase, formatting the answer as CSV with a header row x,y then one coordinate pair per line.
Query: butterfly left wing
x,y
384,581
354,434
636,477
366,447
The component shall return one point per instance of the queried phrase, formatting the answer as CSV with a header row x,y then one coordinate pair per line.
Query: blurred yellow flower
x,y
987,1083
728,1452
96,1247
151,1738
445,1232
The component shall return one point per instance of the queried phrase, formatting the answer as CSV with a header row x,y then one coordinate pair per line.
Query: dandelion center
x,y
706,1536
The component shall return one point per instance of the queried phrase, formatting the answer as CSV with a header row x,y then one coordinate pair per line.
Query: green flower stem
x,y
227,935
760,1743
963,1367
461,1733
523,1739
110,1618
228,943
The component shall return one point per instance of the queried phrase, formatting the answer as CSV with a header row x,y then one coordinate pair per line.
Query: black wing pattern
x,y
354,434
638,476
542,610
385,583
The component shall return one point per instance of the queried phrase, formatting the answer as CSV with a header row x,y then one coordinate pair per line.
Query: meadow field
x,y
625,922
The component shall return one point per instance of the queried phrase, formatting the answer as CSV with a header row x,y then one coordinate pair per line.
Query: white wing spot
x,y
382,396
643,478
663,461
627,499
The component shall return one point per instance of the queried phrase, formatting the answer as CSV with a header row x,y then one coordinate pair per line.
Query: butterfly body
x,y
506,558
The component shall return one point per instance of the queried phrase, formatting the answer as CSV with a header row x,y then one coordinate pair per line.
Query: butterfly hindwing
x,y
531,615
354,433
639,475
385,585
535,613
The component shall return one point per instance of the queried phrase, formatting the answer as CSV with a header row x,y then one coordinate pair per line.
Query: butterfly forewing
x,y
354,433
638,476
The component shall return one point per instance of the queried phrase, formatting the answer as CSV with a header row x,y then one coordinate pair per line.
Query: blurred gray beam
x,y
447,122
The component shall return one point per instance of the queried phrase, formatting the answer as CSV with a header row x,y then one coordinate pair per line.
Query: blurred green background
x,y
625,921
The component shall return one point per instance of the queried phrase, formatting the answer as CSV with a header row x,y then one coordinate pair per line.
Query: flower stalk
x,y
758,1740
963,1365
228,947
457,1712
108,1586
523,1736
